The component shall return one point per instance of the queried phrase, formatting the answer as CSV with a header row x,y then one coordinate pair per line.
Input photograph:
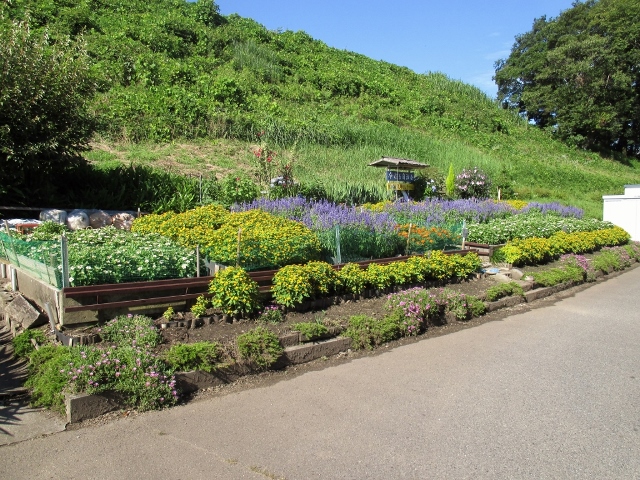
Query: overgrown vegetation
x,y
504,290
195,89
259,346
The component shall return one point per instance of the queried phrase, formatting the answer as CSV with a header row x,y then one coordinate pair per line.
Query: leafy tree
x,y
44,124
577,75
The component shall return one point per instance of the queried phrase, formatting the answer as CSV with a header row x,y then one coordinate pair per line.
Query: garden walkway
x,y
18,421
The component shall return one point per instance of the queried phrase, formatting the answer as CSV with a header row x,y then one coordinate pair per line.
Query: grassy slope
x,y
194,96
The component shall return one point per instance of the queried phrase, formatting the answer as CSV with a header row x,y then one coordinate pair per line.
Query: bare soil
x,y
335,315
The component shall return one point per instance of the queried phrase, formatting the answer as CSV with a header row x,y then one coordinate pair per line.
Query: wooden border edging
x,y
264,279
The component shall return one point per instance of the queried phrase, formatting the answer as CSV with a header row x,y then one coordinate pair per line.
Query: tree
x,y
44,123
578,75
450,182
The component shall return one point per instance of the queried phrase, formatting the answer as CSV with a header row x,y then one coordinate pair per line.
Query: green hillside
x,y
180,85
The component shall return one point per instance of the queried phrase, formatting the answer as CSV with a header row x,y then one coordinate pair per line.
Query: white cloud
x,y
484,81
493,56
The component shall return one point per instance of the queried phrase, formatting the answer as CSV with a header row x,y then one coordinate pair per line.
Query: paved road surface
x,y
551,393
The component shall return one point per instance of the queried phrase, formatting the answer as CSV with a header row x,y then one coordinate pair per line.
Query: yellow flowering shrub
x,y
376,207
234,292
291,285
517,204
353,278
378,276
265,240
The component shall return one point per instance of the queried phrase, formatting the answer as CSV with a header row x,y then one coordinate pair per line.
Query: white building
x,y
624,210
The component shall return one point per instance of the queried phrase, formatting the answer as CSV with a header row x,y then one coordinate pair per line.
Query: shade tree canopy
x,y
578,75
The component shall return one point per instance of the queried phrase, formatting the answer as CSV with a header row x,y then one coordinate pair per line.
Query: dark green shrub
x,y
311,330
504,290
260,346
22,346
369,332
204,356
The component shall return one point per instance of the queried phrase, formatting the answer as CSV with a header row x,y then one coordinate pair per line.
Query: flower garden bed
x,y
333,308
344,318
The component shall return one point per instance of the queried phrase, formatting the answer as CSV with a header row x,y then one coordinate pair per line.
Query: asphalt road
x,y
553,393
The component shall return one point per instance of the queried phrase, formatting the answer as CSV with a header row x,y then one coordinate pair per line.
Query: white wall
x,y
624,210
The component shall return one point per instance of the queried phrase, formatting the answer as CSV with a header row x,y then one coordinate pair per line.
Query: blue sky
x,y
460,38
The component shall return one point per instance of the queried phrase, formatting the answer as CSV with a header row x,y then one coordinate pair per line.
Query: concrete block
x,y
308,352
290,339
503,303
538,293
20,310
188,382
516,274
84,406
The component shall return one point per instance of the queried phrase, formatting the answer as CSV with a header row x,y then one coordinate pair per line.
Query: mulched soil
x,y
225,332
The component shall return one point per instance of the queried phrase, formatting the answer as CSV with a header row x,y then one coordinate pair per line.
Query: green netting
x,y
111,257
41,259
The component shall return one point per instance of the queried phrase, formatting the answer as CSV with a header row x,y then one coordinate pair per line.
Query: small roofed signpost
x,y
400,174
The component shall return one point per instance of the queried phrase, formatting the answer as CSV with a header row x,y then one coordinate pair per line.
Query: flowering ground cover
x,y
531,223
108,255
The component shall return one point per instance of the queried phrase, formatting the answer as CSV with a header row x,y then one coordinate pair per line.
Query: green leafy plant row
x,y
295,284
502,230
532,251
409,313
577,268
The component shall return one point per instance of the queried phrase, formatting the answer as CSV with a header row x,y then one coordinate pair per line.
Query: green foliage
x,y
136,330
109,255
504,290
450,182
200,307
22,346
271,314
238,189
527,225
311,330
555,276
476,306
48,378
260,346
352,278
368,332
45,122
577,75
203,356
168,314
234,292
170,72
49,230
